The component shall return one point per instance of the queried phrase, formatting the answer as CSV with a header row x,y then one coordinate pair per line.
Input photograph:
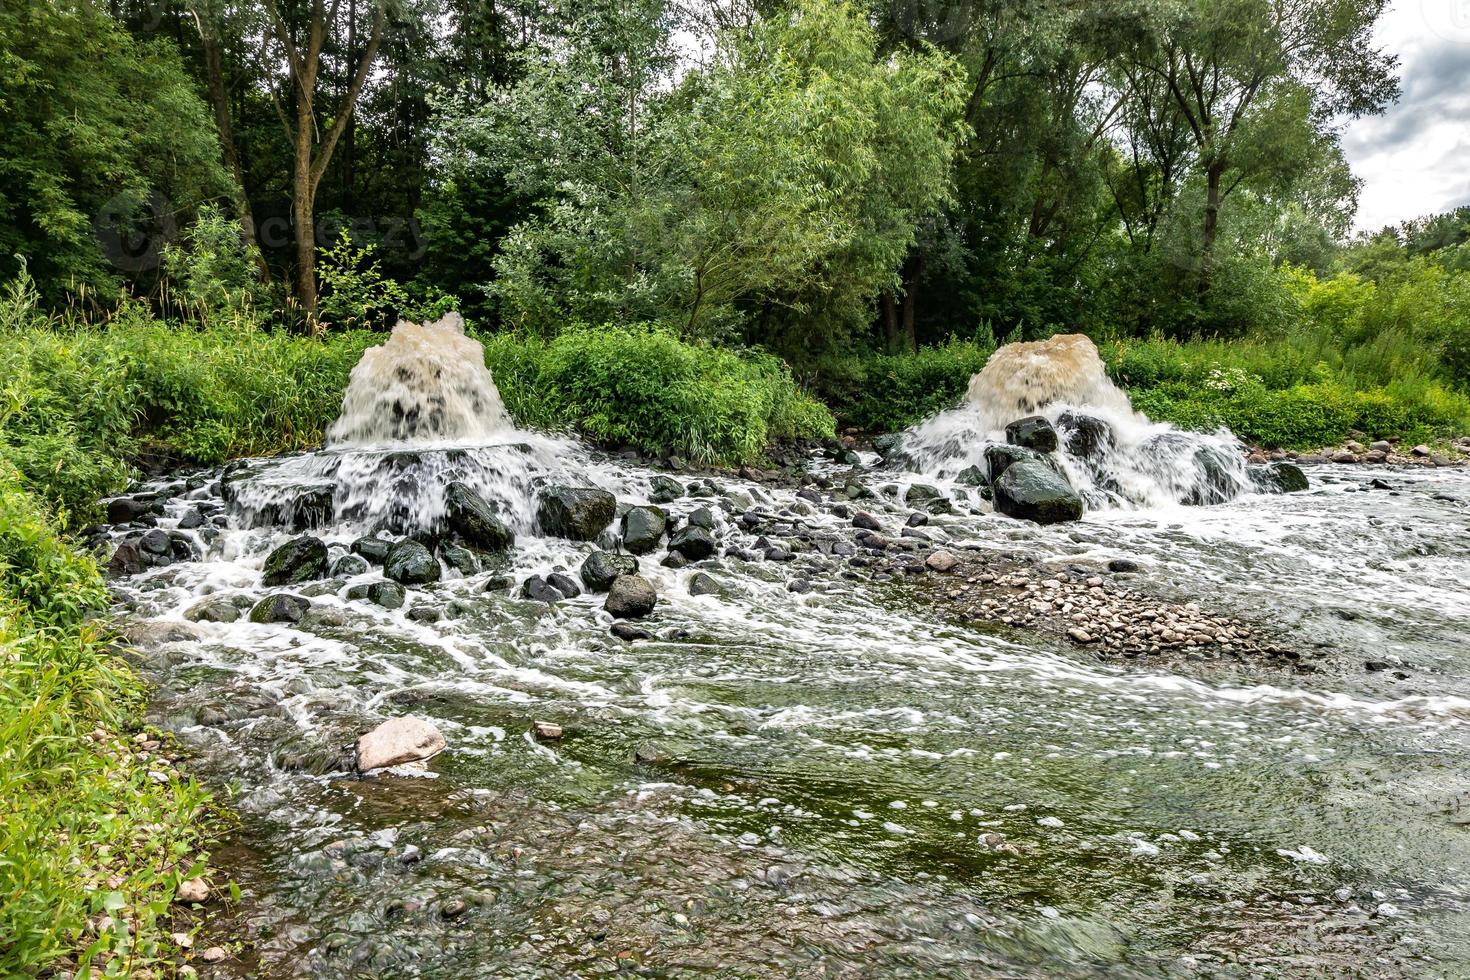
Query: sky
x,y
1415,158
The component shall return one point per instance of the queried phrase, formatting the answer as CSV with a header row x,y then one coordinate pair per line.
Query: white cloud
x,y
1413,158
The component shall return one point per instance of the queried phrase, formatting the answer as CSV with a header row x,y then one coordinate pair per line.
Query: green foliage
x,y
355,293
211,274
82,835
93,123
889,392
642,386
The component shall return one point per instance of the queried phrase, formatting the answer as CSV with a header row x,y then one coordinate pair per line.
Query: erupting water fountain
x,y
1051,402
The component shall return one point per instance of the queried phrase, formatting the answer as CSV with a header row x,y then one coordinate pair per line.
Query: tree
x,y
1256,79
302,35
104,146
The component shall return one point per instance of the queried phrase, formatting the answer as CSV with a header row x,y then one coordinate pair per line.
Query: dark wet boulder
x,y
998,458
702,517
1122,566
631,597
349,565
127,559
565,584
627,632
920,493
471,520
577,513
665,489
389,595
887,445
125,510
692,543
1281,478
602,567
1032,432
703,584
298,560
181,547
411,563
425,614
212,609
1034,492
1084,436
462,560
1214,482
191,519
282,607
866,521
155,542
643,529
971,476
674,560
373,549
538,589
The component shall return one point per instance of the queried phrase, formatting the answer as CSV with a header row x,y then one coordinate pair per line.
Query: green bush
x,y
888,392
644,387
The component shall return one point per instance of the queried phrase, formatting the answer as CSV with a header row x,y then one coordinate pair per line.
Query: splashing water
x,y
1112,455
427,385
421,411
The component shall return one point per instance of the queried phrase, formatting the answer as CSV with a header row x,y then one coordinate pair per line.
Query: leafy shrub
x,y
643,387
212,274
888,392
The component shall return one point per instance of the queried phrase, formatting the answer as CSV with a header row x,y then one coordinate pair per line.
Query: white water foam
x,y
1112,455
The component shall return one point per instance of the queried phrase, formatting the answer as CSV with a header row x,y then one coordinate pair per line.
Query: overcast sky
x,y
1415,158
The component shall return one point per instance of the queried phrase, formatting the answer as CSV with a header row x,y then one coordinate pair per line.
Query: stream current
x,y
838,782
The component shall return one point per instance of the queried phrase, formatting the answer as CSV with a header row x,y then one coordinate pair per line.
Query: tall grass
x,y
92,846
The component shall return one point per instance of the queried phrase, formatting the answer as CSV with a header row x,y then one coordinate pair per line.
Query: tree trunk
x,y
349,135
910,300
219,101
890,320
1212,227
303,215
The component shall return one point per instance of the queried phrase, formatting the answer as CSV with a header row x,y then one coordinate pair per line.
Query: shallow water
x,y
838,783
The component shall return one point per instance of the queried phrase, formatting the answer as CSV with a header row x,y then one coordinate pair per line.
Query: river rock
x,y
388,594
999,457
704,584
1214,484
373,549
702,517
1034,433
971,476
471,520
577,513
941,561
631,597
1034,492
1084,436
125,510
888,445
1278,478
462,560
602,567
298,560
538,589
693,543
349,566
212,609
282,607
866,521
565,584
127,559
398,741
627,632
920,494
411,563
643,529
665,490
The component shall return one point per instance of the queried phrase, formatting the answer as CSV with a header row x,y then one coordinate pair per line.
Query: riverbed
x,y
828,779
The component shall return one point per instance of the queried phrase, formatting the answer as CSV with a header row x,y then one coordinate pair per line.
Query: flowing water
x,y
833,782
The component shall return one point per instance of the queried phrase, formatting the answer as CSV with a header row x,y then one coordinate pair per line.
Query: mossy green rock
x,y
1034,492
298,560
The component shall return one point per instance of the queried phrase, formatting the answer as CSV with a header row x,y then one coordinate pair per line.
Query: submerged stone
x,y
373,549
694,543
349,565
1279,478
702,584
665,489
212,609
462,560
1034,492
1084,436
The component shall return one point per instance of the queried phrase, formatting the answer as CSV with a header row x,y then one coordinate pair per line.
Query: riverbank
x,y
104,840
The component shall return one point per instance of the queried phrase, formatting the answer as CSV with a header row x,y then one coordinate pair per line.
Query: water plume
x,y
1112,455
426,385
